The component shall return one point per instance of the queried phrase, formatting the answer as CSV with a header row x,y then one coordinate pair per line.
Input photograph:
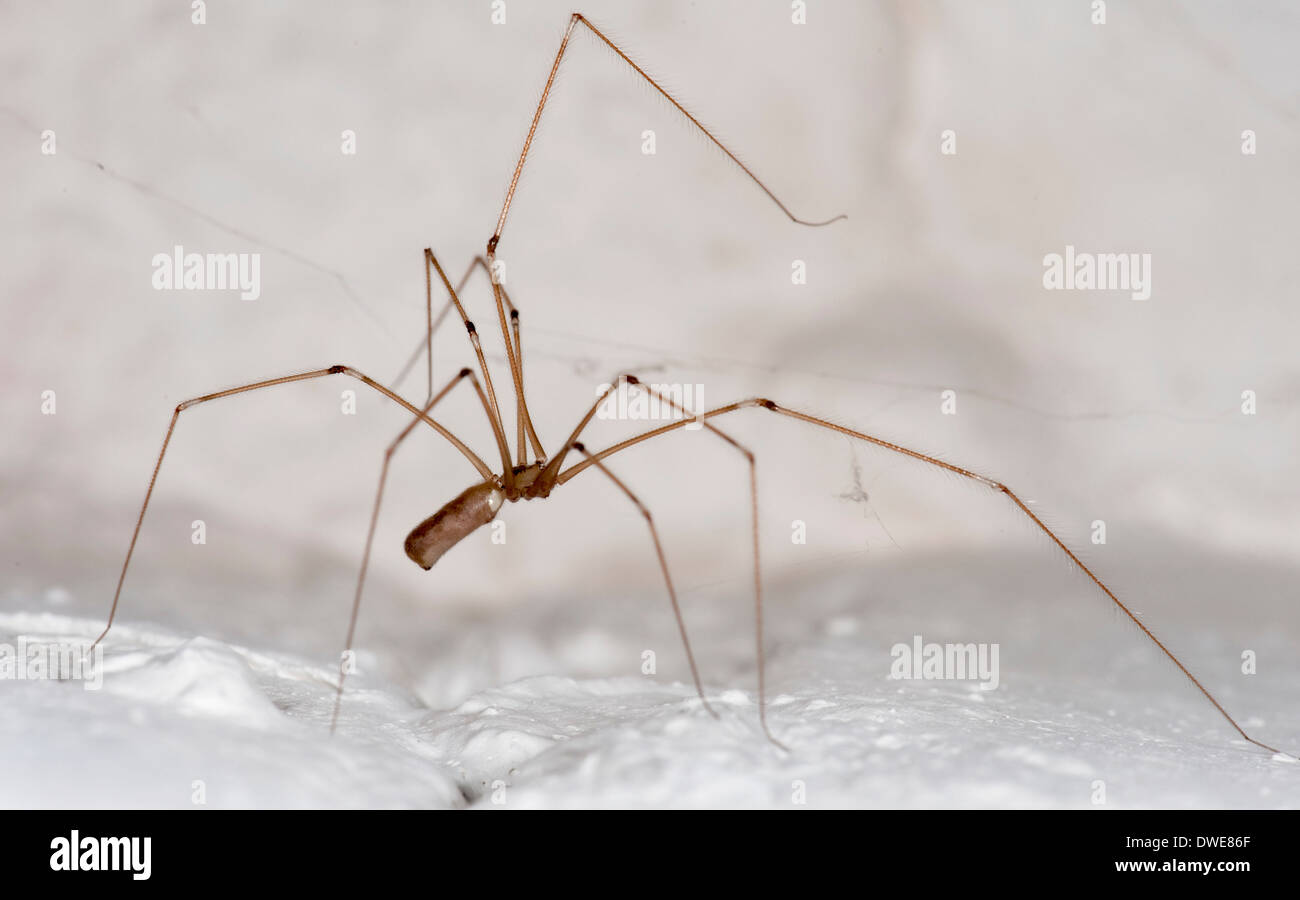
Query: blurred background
x,y
225,137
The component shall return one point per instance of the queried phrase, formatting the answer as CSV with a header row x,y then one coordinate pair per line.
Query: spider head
x,y
443,530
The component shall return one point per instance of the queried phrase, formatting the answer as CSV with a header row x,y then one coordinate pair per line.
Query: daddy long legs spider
x,y
522,479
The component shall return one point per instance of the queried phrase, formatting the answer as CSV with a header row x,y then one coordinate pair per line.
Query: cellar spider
x,y
536,480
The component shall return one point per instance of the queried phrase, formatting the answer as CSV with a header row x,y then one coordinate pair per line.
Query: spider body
x,y
467,512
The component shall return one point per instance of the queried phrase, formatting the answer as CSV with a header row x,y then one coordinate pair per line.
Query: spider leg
x,y
494,411
995,485
474,460
374,519
574,21
758,576
663,564
548,479
522,416
425,344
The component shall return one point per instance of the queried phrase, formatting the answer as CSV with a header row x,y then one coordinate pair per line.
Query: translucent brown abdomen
x,y
446,528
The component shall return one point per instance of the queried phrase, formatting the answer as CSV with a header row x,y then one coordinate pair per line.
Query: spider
x,y
520,479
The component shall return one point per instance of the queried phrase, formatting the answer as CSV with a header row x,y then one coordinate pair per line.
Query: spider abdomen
x,y
471,509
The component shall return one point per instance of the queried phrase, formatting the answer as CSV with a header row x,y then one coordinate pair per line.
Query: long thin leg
x,y
513,352
663,564
425,346
474,460
548,479
513,356
494,411
758,569
428,331
574,20
374,519
521,444
763,403
522,417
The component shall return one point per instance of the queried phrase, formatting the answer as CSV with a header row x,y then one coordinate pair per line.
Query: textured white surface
x,y
1091,703
225,138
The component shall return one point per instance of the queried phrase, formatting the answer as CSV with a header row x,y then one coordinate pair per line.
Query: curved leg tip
x,y
772,740
775,743
96,641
